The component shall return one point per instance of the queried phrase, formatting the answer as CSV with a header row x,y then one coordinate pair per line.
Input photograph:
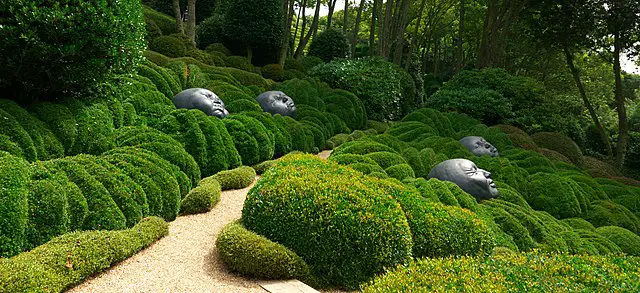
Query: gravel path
x,y
183,261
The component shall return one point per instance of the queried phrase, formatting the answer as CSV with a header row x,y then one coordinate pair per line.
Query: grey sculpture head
x,y
276,102
479,146
468,176
201,99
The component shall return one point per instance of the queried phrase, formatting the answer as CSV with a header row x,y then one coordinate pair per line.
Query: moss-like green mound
x,y
201,199
625,239
237,178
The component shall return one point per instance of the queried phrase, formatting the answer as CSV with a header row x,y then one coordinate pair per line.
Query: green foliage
x,y
14,207
88,253
303,92
560,143
94,123
218,47
329,44
237,178
201,199
264,166
512,227
625,239
303,195
300,139
252,255
264,137
166,23
245,144
11,128
512,272
156,58
281,136
62,47
209,31
607,213
553,194
579,223
309,62
382,86
273,71
245,78
400,171
168,46
48,212
362,147
182,125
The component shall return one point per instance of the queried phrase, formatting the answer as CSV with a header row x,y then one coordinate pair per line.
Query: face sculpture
x,y
276,102
201,99
466,174
479,146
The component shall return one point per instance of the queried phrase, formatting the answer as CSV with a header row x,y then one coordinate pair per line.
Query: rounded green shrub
x,y
512,227
303,195
579,223
6,145
14,206
510,271
48,212
156,57
625,239
237,178
337,140
348,107
553,194
62,47
252,255
218,47
559,143
362,147
599,242
166,23
245,144
400,171
201,199
264,137
281,136
10,127
303,92
264,166
273,71
95,127
217,152
300,140
309,62
607,213
329,44
168,46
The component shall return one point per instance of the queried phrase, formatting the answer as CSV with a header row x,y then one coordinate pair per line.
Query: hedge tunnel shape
x,y
281,136
370,230
217,156
608,213
303,93
245,144
300,140
95,128
89,252
264,137
10,127
14,207
168,204
628,241
253,255
201,199
361,147
237,178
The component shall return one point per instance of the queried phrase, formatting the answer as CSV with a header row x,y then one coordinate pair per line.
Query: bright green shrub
x,y
156,58
579,223
560,143
217,157
338,140
182,125
300,140
62,47
511,195
45,142
329,44
237,178
273,71
253,255
151,106
607,213
48,212
303,92
503,170
315,131
103,213
10,127
386,159
510,272
362,147
88,253
512,227
369,231
204,57
168,46
245,144
599,242
14,207
346,159
281,136
400,171
201,199
6,145
95,128
157,79
209,31
264,166
380,127
438,123
347,107
166,23
625,239
264,137
448,193
383,87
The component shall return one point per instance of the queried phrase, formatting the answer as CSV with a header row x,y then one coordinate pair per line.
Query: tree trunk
x,y
346,17
587,104
287,5
414,37
385,33
496,31
623,124
249,53
356,28
304,21
399,39
178,15
460,40
372,29
314,27
295,32
332,6
191,27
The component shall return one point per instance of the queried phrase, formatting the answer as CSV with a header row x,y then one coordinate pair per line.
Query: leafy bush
x,y
62,47
94,123
264,138
165,23
400,171
209,31
300,139
252,255
70,259
330,44
168,46
237,178
201,199
11,128
387,91
273,71
512,272
362,147
218,47
625,239
579,223
281,136
264,166
14,207
607,213
303,195
560,143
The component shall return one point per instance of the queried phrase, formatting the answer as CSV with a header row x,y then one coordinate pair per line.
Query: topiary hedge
x,y
625,239
509,272
14,206
329,44
560,143
237,178
553,194
303,195
71,46
11,128
201,199
607,213
253,255
70,259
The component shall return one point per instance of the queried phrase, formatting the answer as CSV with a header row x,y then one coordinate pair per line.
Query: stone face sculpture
x,y
201,99
276,102
478,146
467,176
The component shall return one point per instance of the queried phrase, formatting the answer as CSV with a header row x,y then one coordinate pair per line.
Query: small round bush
x,y
14,207
579,223
209,31
330,44
559,143
201,199
48,212
608,213
71,45
400,171
252,255
309,62
625,239
362,147
218,47
264,166
273,71
168,46
303,195
237,178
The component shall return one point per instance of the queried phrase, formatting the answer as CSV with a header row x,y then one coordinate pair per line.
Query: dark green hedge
x,y
625,239
347,107
608,213
245,144
252,255
264,137
94,123
560,143
553,194
46,268
303,195
329,44
14,206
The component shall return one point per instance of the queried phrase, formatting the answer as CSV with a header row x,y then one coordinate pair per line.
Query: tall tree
x,y
346,17
191,22
460,38
314,28
372,28
356,28
177,14
414,35
287,7
501,15
332,7
401,25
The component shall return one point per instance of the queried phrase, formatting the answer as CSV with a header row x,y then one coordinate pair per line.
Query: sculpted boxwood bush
x,y
168,46
330,44
607,213
89,252
48,212
201,199
628,242
400,171
14,207
10,127
348,107
511,271
264,137
303,195
252,255
237,178
560,143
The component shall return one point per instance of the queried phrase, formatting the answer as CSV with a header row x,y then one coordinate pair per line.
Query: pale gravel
x,y
185,260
